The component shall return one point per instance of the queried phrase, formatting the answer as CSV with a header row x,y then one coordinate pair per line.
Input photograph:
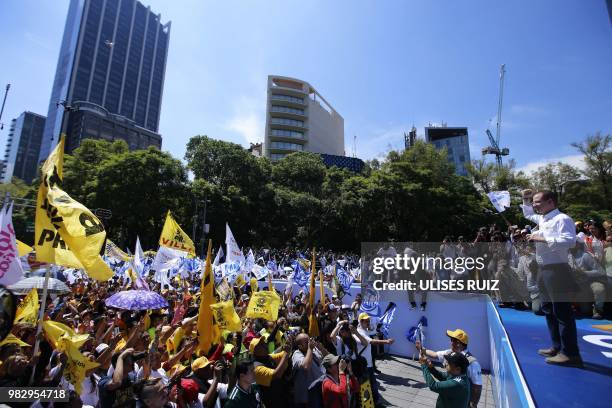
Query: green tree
x,y
597,152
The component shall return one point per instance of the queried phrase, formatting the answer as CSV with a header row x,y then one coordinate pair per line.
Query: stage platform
x,y
555,386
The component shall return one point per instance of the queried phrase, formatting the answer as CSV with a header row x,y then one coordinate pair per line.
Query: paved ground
x,y
401,385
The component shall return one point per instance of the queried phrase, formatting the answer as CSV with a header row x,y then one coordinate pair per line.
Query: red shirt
x,y
336,395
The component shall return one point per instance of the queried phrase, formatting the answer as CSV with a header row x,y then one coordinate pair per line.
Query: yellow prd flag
x,y
226,317
23,249
12,339
55,330
205,316
64,225
365,394
77,364
263,304
254,285
173,236
27,310
240,282
313,325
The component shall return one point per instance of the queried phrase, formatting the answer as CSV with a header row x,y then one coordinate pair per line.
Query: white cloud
x,y
576,160
249,119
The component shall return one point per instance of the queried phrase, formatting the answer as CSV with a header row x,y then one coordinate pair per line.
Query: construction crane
x,y
494,148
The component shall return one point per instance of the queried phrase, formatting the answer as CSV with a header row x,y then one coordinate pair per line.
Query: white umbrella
x,y
24,286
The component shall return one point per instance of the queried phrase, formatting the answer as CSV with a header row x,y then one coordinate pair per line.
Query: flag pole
x,y
41,314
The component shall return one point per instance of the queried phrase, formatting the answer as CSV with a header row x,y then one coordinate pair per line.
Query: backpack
x,y
315,392
359,364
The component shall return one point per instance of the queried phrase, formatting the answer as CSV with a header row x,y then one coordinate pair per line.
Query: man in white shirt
x,y
555,235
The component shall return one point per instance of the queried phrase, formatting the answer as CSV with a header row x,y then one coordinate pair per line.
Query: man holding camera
x,y
340,386
555,235
306,363
453,386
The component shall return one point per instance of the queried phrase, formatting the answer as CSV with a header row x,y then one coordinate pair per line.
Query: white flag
x,y
260,272
250,261
218,257
167,258
500,200
10,265
234,253
137,262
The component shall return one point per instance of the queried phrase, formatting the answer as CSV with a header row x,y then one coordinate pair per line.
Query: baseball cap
x,y
245,297
364,316
190,389
198,363
329,360
458,360
331,307
458,335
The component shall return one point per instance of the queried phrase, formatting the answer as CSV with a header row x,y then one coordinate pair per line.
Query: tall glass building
x,y
23,148
110,75
456,142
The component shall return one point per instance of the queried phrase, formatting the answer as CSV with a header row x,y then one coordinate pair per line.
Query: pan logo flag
x,y
263,304
64,225
173,236
27,310
226,317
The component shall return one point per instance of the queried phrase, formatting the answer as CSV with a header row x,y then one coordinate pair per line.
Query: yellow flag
x,y
63,224
365,394
321,288
55,330
28,308
263,304
254,285
12,339
111,250
23,249
77,364
205,316
240,282
173,236
313,325
226,317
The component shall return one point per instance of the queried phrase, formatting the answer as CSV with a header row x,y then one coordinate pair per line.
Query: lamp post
x,y
204,227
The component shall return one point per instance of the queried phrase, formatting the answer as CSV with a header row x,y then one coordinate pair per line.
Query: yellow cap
x,y
458,335
198,363
254,344
364,316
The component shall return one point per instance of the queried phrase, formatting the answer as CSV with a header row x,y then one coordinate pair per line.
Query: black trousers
x,y
557,285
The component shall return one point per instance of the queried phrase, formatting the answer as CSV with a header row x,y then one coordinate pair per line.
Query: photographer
x,y
338,390
453,386
306,364
208,379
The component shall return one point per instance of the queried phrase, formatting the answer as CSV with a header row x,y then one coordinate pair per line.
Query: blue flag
x,y
387,318
416,332
345,278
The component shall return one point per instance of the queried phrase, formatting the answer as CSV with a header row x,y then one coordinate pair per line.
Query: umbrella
x,y
136,300
24,286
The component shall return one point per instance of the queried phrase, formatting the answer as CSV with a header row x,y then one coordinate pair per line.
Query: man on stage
x,y
555,235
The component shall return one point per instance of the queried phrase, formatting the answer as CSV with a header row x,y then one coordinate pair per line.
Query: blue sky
x,y
384,66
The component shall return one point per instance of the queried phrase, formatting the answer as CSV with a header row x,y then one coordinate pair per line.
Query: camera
x,y
354,323
139,355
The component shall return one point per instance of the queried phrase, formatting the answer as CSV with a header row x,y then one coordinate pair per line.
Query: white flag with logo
x,y
10,265
500,200
250,261
220,255
260,272
234,253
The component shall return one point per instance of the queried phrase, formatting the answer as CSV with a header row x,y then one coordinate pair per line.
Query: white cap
x,y
101,347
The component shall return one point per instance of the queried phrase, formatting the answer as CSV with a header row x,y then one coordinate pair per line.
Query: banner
x,y
205,317
173,236
28,308
224,290
230,271
63,224
260,272
11,270
226,317
500,200
234,253
263,305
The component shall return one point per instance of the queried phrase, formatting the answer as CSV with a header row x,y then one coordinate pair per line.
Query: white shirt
x,y
367,353
557,229
474,372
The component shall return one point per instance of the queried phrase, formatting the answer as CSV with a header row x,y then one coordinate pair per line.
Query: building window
x,y
288,122
286,146
287,133
285,109
277,156
288,98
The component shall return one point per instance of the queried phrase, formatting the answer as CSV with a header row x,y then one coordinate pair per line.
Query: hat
x,y
329,360
458,335
198,363
364,316
458,360
101,347
190,389
254,344
331,307
244,297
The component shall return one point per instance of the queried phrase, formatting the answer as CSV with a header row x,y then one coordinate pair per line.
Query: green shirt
x,y
453,392
238,398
